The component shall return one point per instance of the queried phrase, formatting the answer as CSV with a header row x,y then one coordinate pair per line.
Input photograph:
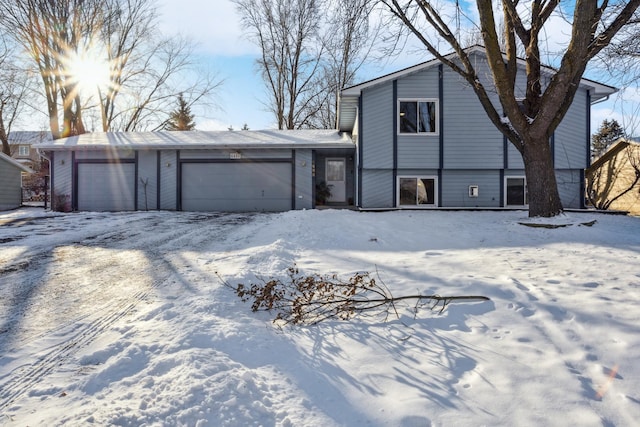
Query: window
x,y
416,191
23,150
516,191
418,116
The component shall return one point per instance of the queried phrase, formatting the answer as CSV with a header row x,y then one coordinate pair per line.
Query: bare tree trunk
x,y
544,198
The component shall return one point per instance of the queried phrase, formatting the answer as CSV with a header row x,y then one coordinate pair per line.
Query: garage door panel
x,y
106,186
236,186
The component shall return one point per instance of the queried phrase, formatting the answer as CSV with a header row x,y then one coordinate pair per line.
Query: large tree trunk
x,y
544,198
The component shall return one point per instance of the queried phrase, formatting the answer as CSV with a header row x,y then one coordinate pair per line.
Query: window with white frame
x,y
416,191
418,116
23,150
516,191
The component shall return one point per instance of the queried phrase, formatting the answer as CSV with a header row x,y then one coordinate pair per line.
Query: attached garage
x,y
237,187
106,186
243,171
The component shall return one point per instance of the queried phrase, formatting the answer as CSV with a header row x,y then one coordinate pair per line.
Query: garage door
x,y
106,186
236,187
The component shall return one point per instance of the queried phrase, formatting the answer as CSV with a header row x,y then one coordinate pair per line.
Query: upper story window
x,y
418,116
23,150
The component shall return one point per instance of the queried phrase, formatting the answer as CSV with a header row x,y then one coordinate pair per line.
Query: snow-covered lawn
x,y
121,319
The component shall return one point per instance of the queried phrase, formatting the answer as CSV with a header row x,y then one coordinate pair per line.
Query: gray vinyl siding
x,y
514,158
569,187
470,139
455,188
571,141
104,154
10,196
226,154
62,175
419,151
377,127
377,189
304,179
147,173
168,179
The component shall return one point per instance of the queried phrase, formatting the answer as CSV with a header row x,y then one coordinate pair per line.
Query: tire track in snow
x,y
23,378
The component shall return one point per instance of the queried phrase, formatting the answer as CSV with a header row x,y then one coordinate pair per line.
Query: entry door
x,y
336,179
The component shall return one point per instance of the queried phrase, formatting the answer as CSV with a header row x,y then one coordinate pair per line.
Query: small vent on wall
x,y
473,191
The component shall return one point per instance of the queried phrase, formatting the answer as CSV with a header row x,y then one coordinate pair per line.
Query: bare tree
x,y
15,86
287,33
348,39
529,123
145,70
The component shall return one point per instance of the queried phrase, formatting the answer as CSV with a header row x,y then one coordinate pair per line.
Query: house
x,y
424,141
22,146
11,177
613,180
416,138
267,170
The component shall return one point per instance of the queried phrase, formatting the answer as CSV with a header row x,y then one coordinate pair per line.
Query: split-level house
x,y
416,138
424,141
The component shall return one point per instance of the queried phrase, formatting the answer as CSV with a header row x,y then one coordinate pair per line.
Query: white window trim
x,y
435,192
526,190
26,148
434,100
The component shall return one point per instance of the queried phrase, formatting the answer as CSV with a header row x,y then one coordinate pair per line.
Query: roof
x,y
193,140
15,163
613,149
349,95
28,137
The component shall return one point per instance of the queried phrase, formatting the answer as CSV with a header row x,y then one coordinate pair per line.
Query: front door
x,y
336,179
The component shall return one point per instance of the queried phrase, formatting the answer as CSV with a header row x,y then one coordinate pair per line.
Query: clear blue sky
x,y
215,26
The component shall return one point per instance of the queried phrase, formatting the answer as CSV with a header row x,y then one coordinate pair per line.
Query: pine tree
x,y
608,133
181,118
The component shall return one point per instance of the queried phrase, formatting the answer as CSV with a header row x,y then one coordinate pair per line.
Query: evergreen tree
x,y
608,133
181,118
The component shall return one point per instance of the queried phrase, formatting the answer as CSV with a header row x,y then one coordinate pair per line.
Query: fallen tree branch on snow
x,y
314,298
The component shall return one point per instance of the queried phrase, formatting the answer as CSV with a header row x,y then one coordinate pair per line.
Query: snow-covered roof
x,y
29,137
15,163
190,140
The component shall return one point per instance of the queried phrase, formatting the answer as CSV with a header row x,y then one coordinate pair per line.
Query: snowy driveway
x,y
66,279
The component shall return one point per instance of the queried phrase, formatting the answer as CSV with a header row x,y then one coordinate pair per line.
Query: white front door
x,y
336,179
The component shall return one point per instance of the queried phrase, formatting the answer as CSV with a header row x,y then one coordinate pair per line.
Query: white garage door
x,y
106,186
236,187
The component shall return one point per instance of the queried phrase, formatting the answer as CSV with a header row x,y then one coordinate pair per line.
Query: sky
x,y
222,44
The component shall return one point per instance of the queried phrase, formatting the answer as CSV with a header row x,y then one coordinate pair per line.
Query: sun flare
x,y
89,72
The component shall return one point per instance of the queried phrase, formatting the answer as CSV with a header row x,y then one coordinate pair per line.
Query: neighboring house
x,y
199,171
417,138
424,141
613,180
21,144
11,178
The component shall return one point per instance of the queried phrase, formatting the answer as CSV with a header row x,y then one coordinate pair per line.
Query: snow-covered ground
x,y
121,319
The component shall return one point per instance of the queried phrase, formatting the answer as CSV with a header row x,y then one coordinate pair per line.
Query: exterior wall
x,y
571,188
455,188
147,180
10,190
377,189
614,176
571,138
377,128
471,141
304,179
168,180
61,180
